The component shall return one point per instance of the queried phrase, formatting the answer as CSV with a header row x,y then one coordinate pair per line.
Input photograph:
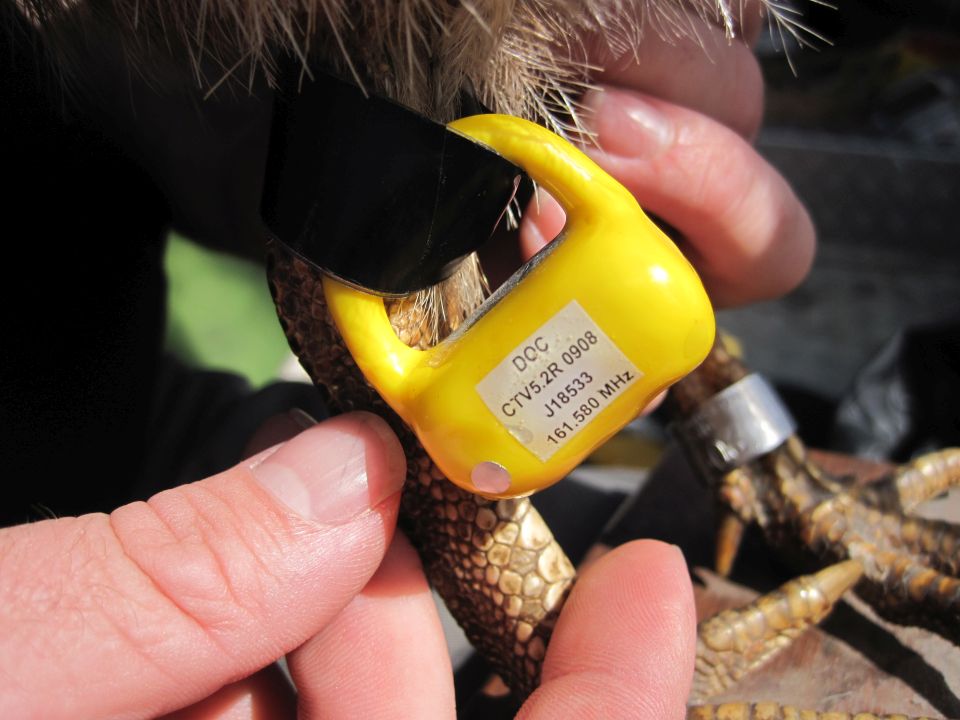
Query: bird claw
x,y
811,504
911,563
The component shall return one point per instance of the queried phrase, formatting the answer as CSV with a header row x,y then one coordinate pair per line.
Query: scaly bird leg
x,y
910,564
495,564
736,642
774,711
900,489
925,478
740,641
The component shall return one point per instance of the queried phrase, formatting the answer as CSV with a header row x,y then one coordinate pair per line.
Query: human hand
x,y
674,124
184,598
623,646
161,603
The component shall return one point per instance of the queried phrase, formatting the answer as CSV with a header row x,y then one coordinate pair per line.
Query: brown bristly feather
x,y
523,57
519,57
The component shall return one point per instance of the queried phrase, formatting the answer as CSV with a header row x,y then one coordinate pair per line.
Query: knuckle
x,y
188,545
751,15
799,238
747,93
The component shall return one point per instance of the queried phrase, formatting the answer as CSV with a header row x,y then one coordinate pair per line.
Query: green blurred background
x,y
220,314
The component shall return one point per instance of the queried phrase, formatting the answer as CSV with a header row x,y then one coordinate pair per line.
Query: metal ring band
x,y
740,423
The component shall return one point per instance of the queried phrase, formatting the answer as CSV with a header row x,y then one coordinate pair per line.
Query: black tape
x,y
376,194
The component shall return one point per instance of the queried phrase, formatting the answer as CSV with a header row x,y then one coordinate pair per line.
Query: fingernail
x,y
533,237
627,125
301,418
337,471
678,551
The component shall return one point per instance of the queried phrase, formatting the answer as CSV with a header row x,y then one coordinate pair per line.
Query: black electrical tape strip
x,y
375,193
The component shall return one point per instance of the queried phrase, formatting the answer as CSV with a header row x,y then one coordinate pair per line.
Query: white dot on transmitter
x,y
490,477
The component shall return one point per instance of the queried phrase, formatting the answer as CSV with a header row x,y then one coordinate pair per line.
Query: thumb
x,y
542,221
160,603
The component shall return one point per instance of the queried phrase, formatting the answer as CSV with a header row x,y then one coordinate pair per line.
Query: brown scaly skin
x,y
733,643
505,579
496,564
773,711
737,642
911,565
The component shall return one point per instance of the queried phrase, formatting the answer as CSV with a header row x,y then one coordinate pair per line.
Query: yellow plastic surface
x,y
621,271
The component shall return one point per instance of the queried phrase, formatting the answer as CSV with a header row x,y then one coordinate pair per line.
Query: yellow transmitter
x,y
562,356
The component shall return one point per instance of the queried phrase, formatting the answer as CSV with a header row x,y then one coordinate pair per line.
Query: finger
x,y
624,644
164,602
278,429
746,232
542,222
703,71
751,17
384,655
265,695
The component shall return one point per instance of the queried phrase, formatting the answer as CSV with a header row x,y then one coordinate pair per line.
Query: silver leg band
x,y
739,424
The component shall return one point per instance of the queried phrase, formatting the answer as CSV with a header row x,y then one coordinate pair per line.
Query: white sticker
x,y
557,381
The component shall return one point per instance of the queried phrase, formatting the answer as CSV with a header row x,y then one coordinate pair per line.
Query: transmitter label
x,y
557,381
